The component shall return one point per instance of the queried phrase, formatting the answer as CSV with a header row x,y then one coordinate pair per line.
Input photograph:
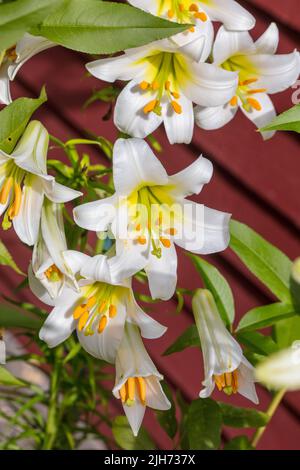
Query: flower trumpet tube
x,y
149,214
12,59
98,311
48,262
261,72
163,85
24,182
224,363
137,382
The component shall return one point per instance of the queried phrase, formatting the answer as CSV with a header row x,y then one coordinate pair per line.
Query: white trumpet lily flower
x,y
229,12
2,348
163,85
98,311
281,370
261,71
48,262
24,182
224,363
137,379
12,59
149,213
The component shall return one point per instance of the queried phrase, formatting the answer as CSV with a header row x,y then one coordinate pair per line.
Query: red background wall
x,y
258,182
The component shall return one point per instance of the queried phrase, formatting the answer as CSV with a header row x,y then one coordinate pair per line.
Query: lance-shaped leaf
x,y
257,342
270,265
12,316
14,119
126,440
239,443
167,418
287,121
219,287
203,424
262,317
104,27
19,16
188,339
7,260
237,417
8,379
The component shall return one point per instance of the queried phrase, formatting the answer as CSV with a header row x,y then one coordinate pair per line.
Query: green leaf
x,y
8,379
257,342
270,265
267,315
126,440
219,287
14,317
295,284
188,339
104,27
239,443
7,260
18,17
203,424
287,331
14,119
237,417
167,418
287,121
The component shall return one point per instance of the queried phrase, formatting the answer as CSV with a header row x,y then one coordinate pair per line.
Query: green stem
x,y
270,412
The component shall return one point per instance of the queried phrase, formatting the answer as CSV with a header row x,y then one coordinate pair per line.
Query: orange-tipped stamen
x,y
192,29
141,386
83,320
200,15
102,306
176,106
254,104
102,324
131,388
171,231
165,242
193,7
15,208
143,85
248,82
175,95
170,14
150,106
167,85
181,7
123,393
6,188
233,101
258,90
155,85
142,240
138,227
112,311
235,383
79,311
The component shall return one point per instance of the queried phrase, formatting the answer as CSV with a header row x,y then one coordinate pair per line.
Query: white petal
x,y
59,193
135,164
198,44
264,116
97,269
276,72
208,85
204,230
155,396
105,345
60,322
230,13
96,215
230,43
135,415
38,289
148,5
129,116
162,273
130,258
30,153
267,43
5,96
27,222
179,127
75,260
246,386
214,117
150,328
192,179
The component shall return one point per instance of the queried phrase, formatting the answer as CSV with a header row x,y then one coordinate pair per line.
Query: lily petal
x,y
147,5
264,116
38,289
192,179
30,153
150,328
231,43
135,415
5,96
155,396
197,44
59,193
246,381
97,269
162,273
179,127
96,215
130,258
214,117
230,13
76,260
267,43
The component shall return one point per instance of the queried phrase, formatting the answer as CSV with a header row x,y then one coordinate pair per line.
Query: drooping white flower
x,y
98,311
48,262
229,12
224,363
24,182
2,348
149,212
261,71
137,379
163,85
12,59
281,370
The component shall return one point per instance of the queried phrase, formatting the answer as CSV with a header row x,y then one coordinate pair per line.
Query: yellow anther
x,y
193,7
258,90
175,94
123,393
227,382
254,104
167,85
91,302
150,106
228,379
102,324
138,227
176,106
17,199
220,381
235,384
233,101
165,242
155,85
11,53
144,85
102,306
170,13
112,311
192,29
142,240
131,388
83,320
200,15
53,273
6,188
248,82
79,311
181,7
141,386
171,231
